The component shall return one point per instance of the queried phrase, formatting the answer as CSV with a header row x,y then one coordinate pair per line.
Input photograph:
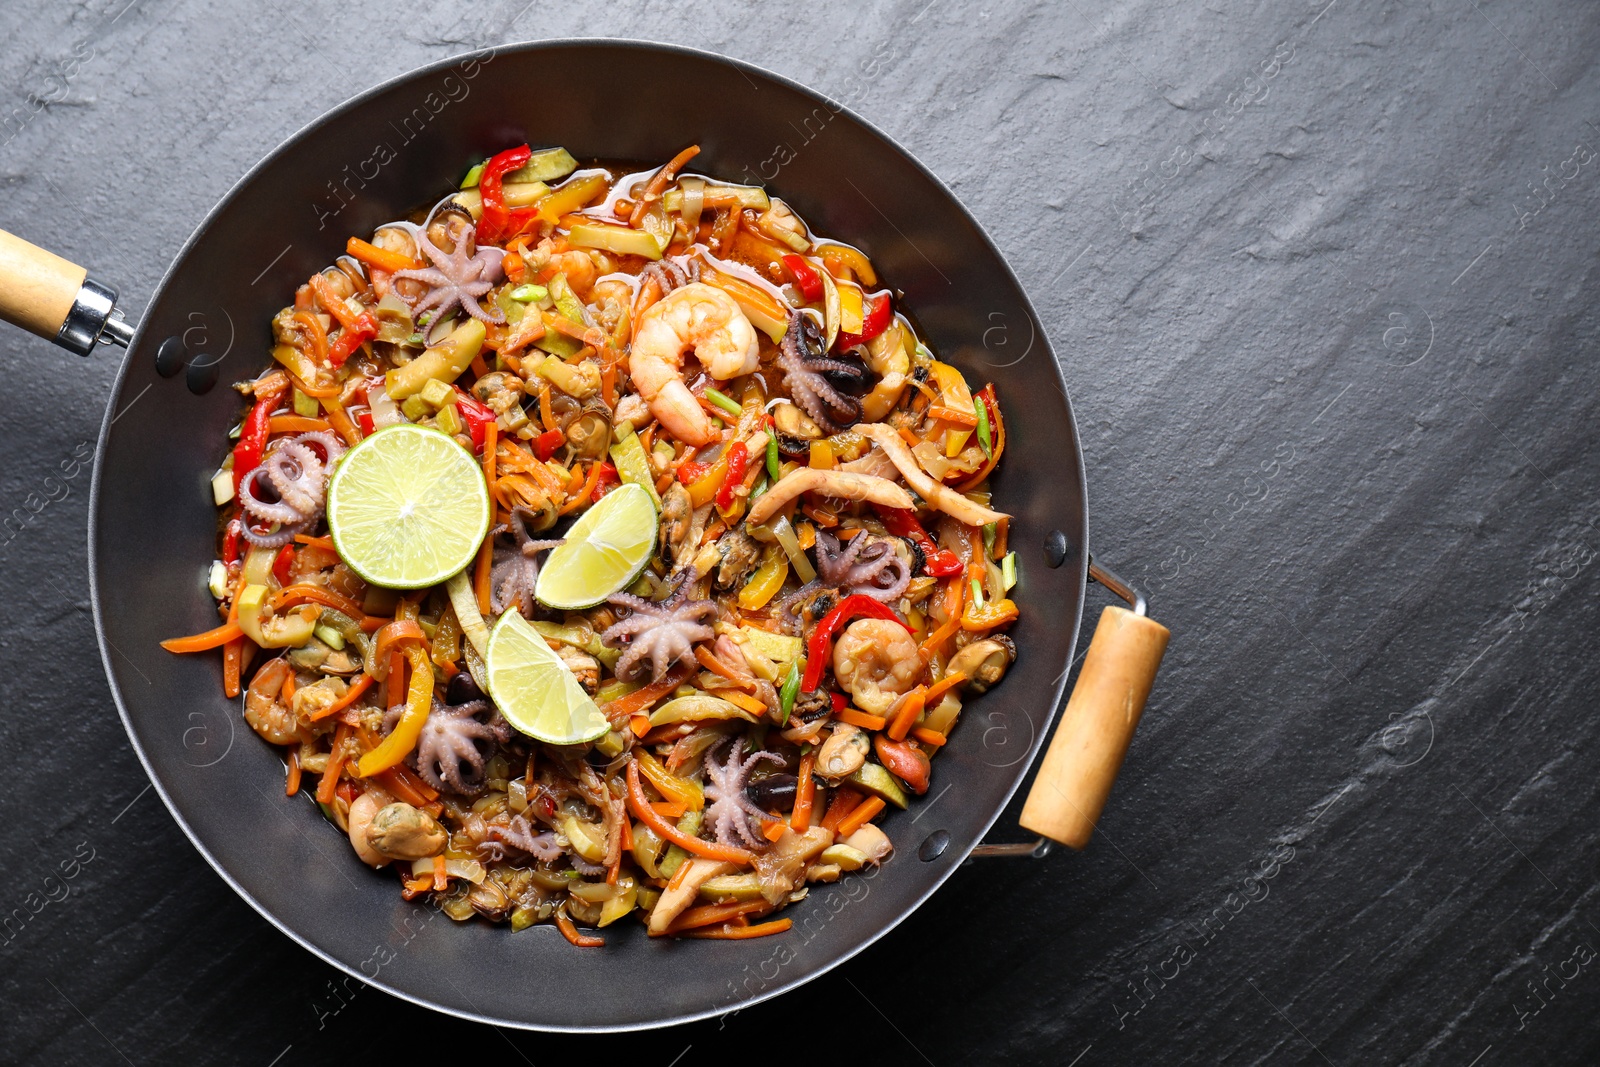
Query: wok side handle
x,y
1075,777
56,299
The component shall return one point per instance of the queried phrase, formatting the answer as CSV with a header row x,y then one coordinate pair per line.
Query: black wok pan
x,y
371,160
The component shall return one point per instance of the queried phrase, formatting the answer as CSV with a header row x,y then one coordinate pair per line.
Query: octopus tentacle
x,y
729,810
514,572
866,565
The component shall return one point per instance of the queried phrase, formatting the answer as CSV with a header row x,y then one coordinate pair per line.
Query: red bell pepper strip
x,y
937,562
281,565
500,222
819,651
230,542
364,420
546,444
692,472
608,478
805,276
874,320
358,328
476,415
253,435
839,702
738,461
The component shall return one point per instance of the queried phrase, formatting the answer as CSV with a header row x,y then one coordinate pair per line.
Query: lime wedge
x,y
535,691
408,507
605,551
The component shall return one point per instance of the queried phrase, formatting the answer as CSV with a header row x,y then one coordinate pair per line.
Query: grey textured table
x,y
1320,277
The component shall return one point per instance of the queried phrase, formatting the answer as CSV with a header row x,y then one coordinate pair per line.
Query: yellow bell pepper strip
x,y
684,791
419,701
997,429
703,490
766,581
985,615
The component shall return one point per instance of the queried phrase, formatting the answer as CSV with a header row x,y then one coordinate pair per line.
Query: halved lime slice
x,y
605,551
408,507
534,690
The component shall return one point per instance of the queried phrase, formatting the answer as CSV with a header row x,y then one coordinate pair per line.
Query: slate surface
x,y
1319,275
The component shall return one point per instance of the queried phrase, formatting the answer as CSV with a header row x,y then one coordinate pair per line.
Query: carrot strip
x,y
710,662
608,384
937,689
639,724
479,367
659,181
480,575
228,631
843,803
341,421
546,416
1002,531
296,424
394,691
301,593
287,690
647,815
232,666
401,788
588,490
350,697
330,776
291,785
739,933
491,434
954,416
441,876
324,543
774,830
860,718
955,595
805,793
712,914
640,699
569,931
859,816
745,701
381,258
669,809
929,737
910,708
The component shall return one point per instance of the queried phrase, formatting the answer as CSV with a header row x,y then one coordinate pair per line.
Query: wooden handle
x,y
37,288
1082,761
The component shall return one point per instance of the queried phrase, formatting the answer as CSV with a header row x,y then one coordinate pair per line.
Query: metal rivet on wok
x,y
202,374
169,357
1056,548
933,847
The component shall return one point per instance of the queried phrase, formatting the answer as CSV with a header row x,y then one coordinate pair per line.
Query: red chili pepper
x,y
937,562
819,651
805,276
738,460
475,415
874,320
692,472
230,541
253,436
500,222
545,445
281,565
365,329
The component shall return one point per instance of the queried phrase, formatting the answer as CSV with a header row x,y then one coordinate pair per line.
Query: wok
x,y
151,527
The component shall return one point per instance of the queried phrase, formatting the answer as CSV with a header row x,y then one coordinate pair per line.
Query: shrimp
x,y
266,714
876,661
836,483
697,317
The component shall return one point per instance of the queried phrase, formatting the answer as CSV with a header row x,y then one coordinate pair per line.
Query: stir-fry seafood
x,y
739,564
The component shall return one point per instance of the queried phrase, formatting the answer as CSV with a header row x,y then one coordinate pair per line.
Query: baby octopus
x,y
729,810
453,738
458,277
289,488
515,570
663,633
806,370
865,564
